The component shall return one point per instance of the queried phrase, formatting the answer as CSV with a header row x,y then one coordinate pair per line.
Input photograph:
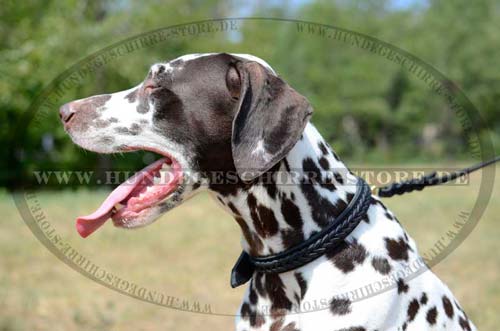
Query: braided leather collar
x,y
310,249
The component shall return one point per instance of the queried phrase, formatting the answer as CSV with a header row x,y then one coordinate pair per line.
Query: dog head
x,y
202,113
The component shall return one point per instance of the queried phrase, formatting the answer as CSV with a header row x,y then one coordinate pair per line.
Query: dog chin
x,y
90,144
133,220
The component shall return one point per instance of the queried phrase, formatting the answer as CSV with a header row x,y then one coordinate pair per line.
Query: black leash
x,y
310,249
429,180
341,227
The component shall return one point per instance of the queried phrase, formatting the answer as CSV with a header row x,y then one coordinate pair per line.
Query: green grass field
x,y
189,252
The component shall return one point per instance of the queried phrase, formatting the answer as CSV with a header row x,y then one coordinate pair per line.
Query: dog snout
x,y
66,113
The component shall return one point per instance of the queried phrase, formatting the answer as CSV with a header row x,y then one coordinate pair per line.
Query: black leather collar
x,y
310,249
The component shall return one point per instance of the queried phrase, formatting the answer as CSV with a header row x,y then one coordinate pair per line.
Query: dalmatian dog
x,y
223,123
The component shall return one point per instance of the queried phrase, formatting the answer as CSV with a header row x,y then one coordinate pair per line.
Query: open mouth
x,y
136,195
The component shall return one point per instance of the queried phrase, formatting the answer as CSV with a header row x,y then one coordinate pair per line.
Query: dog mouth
x,y
134,197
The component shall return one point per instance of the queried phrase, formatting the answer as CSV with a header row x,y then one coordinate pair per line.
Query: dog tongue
x,y
86,225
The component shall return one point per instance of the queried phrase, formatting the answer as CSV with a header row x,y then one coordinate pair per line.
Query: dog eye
x,y
233,82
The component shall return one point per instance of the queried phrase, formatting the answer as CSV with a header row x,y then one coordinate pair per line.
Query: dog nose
x,y
66,113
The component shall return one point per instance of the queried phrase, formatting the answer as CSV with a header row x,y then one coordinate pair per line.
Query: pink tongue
x,y
86,225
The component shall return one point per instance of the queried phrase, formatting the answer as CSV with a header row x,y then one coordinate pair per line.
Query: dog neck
x,y
297,198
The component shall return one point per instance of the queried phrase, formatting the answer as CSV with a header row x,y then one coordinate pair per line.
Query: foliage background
x,y
368,108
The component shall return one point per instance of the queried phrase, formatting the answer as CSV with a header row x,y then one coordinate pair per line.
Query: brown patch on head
x,y
101,124
106,140
134,130
86,111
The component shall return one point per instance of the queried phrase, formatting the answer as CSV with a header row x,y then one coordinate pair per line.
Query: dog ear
x,y
270,120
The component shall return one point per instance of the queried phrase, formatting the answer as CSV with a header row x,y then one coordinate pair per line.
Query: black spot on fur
x,y
432,315
397,249
413,308
323,147
402,286
263,218
448,307
275,290
323,162
142,107
256,319
340,306
277,324
245,311
160,70
251,238
381,265
330,185
290,327
302,284
291,214
257,279
339,178
464,323
291,237
271,189
107,140
253,295
354,328
132,96
346,256
322,209
423,299
134,129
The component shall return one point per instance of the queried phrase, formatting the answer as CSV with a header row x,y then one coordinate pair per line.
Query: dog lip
x,y
86,225
137,201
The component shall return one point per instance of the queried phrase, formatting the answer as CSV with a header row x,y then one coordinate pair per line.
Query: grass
x,y
189,252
